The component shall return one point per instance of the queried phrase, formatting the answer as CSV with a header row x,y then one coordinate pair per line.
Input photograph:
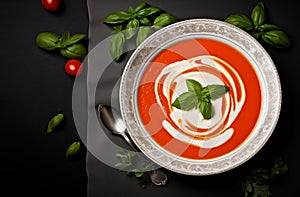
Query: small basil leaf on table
x,y
131,11
131,28
141,6
77,51
116,45
54,122
73,149
185,101
47,40
206,109
240,20
147,12
276,38
164,20
117,17
143,33
258,15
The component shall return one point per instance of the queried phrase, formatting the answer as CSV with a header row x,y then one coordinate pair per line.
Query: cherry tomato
x,y
51,5
73,67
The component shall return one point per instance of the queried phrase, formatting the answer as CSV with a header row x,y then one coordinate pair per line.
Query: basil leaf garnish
x,y
117,17
116,45
240,20
258,15
199,97
276,38
206,109
185,101
141,6
148,11
143,33
164,20
131,28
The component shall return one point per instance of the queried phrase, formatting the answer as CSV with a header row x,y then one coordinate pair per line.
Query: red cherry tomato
x,y
73,67
51,5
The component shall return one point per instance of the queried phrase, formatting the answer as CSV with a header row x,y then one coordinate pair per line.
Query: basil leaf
x,y
143,33
257,35
55,122
164,20
116,45
279,167
240,20
147,12
276,38
131,11
141,6
217,91
206,109
117,17
73,149
193,86
64,40
185,101
258,15
47,40
77,51
204,94
76,38
267,27
131,28
145,21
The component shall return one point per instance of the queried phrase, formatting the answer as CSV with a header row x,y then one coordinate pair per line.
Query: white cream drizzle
x,y
174,73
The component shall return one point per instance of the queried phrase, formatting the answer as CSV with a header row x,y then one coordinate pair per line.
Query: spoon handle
x,y
128,140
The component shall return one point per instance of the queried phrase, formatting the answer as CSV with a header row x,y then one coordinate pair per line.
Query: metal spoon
x,y
113,121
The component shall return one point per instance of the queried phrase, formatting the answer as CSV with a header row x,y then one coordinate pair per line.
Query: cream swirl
x,y
190,126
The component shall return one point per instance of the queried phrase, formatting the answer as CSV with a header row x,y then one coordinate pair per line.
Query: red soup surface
x,y
210,61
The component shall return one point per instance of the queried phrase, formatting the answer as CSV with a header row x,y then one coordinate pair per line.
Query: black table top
x,y
35,86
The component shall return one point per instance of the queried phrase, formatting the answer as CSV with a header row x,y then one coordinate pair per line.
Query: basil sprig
x,y
199,97
67,44
257,27
137,23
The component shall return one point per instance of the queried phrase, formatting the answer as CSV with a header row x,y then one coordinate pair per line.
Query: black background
x,y
34,86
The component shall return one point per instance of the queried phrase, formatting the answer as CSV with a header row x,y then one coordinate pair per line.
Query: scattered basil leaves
x,y
133,21
257,27
68,45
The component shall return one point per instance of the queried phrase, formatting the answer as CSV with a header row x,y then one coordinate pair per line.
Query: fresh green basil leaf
x,y
131,28
77,51
279,167
147,12
193,86
76,38
143,33
117,17
141,6
240,20
204,95
55,122
73,149
145,21
131,11
267,27
217,91
276,38
206,109
47,40
64,40
164,20
185,101
116,45
258,15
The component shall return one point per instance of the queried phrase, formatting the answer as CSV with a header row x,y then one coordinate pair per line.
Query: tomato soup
x,y
186,133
